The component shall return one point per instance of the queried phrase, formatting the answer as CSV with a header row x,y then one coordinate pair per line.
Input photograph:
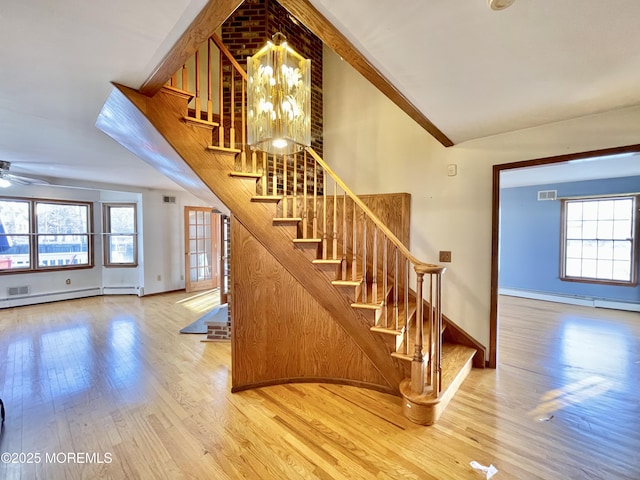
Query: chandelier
x,y
278,98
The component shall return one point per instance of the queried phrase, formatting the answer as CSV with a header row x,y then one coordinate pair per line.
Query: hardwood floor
x,y
110,379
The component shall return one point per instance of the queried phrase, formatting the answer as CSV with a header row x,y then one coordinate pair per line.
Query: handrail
x,y
229,56
424,267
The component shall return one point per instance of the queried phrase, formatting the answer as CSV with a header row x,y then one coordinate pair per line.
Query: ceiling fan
x,y
7,179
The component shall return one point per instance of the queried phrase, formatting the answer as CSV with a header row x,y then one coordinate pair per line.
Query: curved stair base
x,y
423,409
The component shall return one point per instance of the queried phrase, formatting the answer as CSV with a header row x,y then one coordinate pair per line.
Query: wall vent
x,y
547,195
15,291
167,199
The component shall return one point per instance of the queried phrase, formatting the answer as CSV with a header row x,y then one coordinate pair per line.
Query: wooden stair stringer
x,y
164,113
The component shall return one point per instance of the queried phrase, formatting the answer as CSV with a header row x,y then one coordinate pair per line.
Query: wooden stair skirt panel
x,y
423,409
281,333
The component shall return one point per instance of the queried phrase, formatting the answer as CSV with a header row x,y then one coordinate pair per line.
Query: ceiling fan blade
x,y
19,179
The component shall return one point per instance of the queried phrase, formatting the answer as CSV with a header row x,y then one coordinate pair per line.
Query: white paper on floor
x,y
490,471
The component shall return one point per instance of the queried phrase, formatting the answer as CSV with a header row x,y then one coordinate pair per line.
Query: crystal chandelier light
x,y
278,98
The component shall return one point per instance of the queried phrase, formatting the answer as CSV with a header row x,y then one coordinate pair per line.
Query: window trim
x,y
33,235
106,229
635,243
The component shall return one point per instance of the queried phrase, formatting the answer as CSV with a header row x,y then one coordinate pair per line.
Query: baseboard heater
x,y
571,300
121,290
21,300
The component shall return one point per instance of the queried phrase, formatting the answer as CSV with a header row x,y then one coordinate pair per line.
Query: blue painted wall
x,y
530,239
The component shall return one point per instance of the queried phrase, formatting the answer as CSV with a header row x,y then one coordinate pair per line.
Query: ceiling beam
x,y
308,15
212,16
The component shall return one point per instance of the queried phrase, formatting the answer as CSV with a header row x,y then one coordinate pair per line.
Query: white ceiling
x,y
476,72
58,58
596,168
472,71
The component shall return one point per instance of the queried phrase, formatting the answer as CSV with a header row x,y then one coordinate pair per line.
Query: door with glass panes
x,y
202,259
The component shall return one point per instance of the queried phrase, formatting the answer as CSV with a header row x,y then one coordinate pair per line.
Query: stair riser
x,y
311,251
351,292
330,271
289,228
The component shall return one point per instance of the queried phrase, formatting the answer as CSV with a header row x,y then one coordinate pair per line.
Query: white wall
x,y
375,148
161,247
163,224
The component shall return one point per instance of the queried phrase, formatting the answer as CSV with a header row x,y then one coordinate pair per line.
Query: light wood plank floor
x,y
110,379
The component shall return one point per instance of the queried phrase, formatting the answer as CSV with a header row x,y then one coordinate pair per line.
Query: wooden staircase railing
x,y
384,276
221,104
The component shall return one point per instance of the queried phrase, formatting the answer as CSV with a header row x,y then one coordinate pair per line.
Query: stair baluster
x,y
285,197
335,222
305,206
210,86
344,237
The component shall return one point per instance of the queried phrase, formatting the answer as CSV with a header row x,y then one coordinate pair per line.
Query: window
x,y
121,238
599,240
44,235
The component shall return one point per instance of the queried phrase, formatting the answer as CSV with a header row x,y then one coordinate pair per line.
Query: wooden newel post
x,y
417,365
434,348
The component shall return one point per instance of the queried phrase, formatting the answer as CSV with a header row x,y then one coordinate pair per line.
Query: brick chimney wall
x,y
249,28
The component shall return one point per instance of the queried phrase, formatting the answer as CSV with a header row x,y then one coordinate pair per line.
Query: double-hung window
x,y
44,234
599,240
121,235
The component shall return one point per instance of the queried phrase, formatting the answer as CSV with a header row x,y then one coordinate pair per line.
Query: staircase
x,y
346,261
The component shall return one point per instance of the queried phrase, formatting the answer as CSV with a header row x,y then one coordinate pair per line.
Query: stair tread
x,y
224,149
402,356
200,123
389,331
454,357
307,240
370,306
287,220
245,175
348,283
328,261
266,198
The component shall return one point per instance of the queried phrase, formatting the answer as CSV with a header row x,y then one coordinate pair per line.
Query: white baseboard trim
x,y
631,307
124,290
48,297
572,300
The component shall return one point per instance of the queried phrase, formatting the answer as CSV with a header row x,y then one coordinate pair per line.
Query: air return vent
x,y
167,199
547,195
18,291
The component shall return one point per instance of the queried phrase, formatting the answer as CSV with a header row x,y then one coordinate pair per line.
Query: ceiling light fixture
x,y
499,4
278,98
4,183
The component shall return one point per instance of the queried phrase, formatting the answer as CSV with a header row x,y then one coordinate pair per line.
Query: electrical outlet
x,y
68,281
445,256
